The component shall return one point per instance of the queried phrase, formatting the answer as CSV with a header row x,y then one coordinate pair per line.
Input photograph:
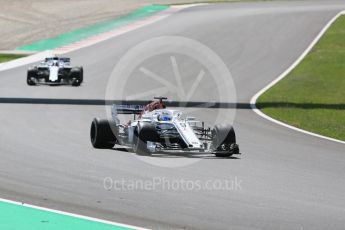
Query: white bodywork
x,y
53,73
165,130
182,125
165,118
187,134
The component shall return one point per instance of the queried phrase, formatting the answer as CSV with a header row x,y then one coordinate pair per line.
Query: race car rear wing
x,y
125,109
128,109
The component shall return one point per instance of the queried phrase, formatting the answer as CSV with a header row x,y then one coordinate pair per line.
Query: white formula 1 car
x,y
55,71
157,129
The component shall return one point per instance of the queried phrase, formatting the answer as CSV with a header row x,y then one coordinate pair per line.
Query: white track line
x,y
42,55
96,38
78,45
25,60
71,214
122,30
284,74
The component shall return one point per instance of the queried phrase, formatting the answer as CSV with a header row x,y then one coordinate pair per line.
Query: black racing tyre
x,y
101,134
31,76
77,76
30,81
81,75
223,136
143,133
76,82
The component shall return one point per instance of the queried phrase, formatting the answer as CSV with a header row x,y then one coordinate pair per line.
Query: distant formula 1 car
x,y
157,129
55,71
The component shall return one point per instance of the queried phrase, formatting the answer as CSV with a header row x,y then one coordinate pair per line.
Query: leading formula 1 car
x,y
158,129
55,71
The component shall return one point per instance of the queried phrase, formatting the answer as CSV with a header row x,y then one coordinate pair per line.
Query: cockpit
x,y
164,116
154,105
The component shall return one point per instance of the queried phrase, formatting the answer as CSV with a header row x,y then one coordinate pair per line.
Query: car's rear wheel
x,y
101,134
223,140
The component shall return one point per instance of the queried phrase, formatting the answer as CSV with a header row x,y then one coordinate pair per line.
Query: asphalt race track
x,y
289,180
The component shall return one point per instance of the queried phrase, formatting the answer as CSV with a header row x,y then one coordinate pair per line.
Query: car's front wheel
x,y
224,140
143,133
77,76
31,77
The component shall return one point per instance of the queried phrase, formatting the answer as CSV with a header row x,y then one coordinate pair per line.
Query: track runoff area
x,y
37,218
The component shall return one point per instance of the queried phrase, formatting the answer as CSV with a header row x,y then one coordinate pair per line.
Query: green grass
x,y
9,57
312,96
